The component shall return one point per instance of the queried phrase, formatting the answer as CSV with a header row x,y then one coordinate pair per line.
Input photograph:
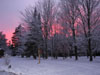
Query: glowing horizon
x,y
10,16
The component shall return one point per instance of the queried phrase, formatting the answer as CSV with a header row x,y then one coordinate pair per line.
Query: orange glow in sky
x,y
56,28
8,36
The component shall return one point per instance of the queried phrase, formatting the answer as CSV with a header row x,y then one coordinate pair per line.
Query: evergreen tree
x,y
18,40
34,38
3,43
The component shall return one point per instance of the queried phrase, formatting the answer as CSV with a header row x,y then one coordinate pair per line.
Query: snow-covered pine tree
x,y
3,43
18,40
34,39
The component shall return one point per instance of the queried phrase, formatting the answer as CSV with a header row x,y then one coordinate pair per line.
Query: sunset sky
x,y
10,16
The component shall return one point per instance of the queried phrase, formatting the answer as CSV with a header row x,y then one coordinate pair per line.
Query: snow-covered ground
x,y
29,66
6,73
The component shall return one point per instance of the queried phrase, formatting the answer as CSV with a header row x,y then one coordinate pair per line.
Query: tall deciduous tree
x,y
47,9
70,17
90,17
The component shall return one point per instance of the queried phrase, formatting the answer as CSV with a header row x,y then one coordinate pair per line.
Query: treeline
x,y
64,28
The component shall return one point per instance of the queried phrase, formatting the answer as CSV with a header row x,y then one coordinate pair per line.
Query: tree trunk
x,y
39,54
46,49
74,39
90,51
76,56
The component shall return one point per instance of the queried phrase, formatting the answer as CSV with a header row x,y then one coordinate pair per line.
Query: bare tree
x,y
90,17
48,17
70,17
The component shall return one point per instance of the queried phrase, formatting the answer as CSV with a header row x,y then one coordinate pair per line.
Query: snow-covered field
x,y
6,73
29,66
